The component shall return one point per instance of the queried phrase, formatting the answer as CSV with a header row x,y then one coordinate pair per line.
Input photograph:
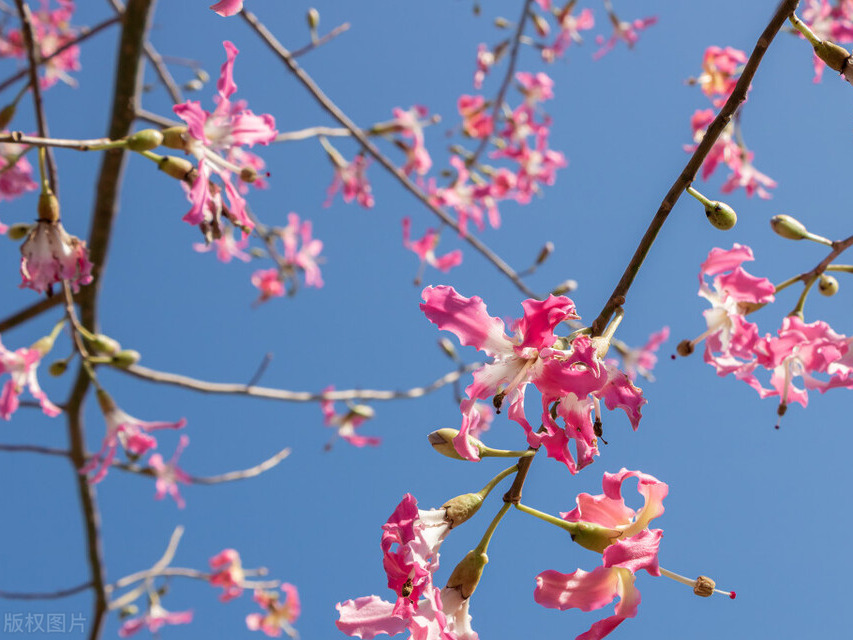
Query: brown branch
x,y
50,595
19,137
617,298
33,448
291,396
334,33
27,313
85,34
279,50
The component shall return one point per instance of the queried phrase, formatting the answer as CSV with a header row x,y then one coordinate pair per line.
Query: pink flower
x,y
629,546
270,283
15,180
126,430
641,361
307,256
570,28
21,366
51,31
720,72
408,124
155,618
535,87
425,249
226,247
50,255
476,121
745,175
410,542
168,474
215,140
828,22
351,179
227,8
629,32
279,616
229,574
347,423
485,60
468,200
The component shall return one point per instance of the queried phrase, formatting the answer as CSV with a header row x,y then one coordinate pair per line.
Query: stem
x,y
688,174
485,491
483,545
802,28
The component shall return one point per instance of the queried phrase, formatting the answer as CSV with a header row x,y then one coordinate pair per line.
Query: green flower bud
x,y
565,287
104,344
57,368
361,411
126,358
145,140
179,168
721,215
833,55
19,231
789,227
466,575
462,508
442,441
827,285
313,18
173,137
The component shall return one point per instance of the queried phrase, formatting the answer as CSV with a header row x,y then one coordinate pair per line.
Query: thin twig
x,y
27,313
334,33
38,105
33,448
738,95
85,34
312,132
49,595
156,570
154,118
255,379
18,137
510,72
203,386
359,135
183,572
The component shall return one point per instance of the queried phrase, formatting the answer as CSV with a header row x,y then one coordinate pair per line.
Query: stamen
x,y
702,586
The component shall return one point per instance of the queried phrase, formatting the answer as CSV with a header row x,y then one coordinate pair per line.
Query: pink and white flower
x,y
351,180
50,255
345,424
228,574
270,283
21,366
155,618
424,248
307,256
278,616
169,475
17,179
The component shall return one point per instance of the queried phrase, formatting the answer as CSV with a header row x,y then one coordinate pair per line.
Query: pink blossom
x,y
629,32
21,366
278,616
346,423
15,180
226,247
720,72
570,28
535,87
270,283
642,360
306,256
410,126
485,60
351,179
425,249
630,547
155,618
828,22
50,255
52,30
410,542
228,574
122,429
215,140
169,475
227,8
476,121
470,201
745,175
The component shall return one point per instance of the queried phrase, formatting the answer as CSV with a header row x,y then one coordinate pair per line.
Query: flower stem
x,y
800,26
483,545
494,481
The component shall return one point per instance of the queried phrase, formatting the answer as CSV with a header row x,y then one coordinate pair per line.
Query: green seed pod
x,y
833,55
827,285
721,215
789,227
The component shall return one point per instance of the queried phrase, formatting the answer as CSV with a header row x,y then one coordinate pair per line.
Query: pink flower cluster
x,y
721,68
410,125
524,143
215,139
52,30
410,542
629,546
572,378
21,366
733,344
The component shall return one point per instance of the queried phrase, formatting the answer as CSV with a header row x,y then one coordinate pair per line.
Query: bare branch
x,y
49,595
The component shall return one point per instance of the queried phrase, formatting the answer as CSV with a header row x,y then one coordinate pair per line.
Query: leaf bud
x,y
564,287
313,18
546,251
789,227
173,137
6,115
827,285
126,358
721,215
462,508
145,140
466,575
179,168
19,231
202,75
57,368
48,207
442,441
194,85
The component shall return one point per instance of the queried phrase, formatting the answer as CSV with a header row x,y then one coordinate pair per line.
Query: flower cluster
x,y
278,616
627,545
571,377
51,31
720,72
228,574
215,139
733,344
410,542
154,619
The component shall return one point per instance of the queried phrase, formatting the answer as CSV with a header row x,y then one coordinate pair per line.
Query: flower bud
x,y
6,115
827,285
179,168
564,287
442,441
462,508
721,215
466,575
313,18
448,348
832,54
173,137
145,140
541,25
684,348
704,587
502,23
789,227
361,411
126,358
106,345
48,207
57,368
593,536
546,251
19,231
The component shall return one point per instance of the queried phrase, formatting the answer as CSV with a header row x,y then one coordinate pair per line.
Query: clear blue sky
x,y
740,492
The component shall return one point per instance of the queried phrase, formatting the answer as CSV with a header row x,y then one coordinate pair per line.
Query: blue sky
x,y
740,491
